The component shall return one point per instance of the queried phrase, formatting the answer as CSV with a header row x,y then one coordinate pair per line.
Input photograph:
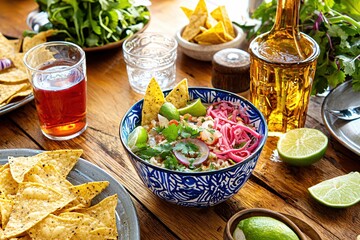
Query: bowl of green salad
x,y
195,146
93,25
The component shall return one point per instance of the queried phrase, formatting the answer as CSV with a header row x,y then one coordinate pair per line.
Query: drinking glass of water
x,y
57,72
149,55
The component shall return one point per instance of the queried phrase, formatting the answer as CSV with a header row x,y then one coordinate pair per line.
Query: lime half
x,y
302,146
196,109
261,227
137,137
338,192
169,111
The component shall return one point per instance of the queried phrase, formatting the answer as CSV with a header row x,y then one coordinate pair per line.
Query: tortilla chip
x,y
197,19
19,166
7,91
210,22
25,91
13,75
30,42
104,211
7,49
62,160
214,35
187,11
47,174
179,96
86,225
87,191
6,208
54,228
153,100
33,203
17,60
220,14
104,233
8,186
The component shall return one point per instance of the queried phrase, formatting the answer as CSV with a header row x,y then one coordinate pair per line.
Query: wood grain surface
x,y
273,185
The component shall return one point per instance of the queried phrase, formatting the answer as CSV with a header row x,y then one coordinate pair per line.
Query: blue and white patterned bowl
x,y
196,189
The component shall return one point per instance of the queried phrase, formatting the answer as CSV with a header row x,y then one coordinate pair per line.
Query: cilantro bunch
x,y
92,23
335,26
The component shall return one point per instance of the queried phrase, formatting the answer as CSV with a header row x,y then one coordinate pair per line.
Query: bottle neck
x,y
287,16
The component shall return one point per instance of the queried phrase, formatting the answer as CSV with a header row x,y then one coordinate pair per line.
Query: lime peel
x,y
137,137
195,108
302,146
339,192
263,227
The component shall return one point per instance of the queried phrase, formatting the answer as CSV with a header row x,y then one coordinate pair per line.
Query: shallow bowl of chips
x,y
195,189
205,52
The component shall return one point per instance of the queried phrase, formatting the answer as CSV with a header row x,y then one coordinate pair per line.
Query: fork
x,y
349,114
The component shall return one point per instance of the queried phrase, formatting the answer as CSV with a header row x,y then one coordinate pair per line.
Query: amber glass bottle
x,y
283,63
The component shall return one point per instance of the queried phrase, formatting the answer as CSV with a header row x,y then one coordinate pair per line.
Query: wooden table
x,y
273,185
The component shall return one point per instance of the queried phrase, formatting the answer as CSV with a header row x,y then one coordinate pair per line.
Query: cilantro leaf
x,y
171,132
187,148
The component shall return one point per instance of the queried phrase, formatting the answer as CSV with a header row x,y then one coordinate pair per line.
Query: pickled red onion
x,y
231,120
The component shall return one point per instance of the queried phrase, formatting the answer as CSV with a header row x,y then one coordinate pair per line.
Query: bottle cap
x,y
231,68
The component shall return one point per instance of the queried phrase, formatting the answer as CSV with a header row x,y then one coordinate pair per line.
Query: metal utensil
x,y
350,113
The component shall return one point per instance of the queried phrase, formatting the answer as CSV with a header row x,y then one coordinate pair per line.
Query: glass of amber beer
x,y
57,72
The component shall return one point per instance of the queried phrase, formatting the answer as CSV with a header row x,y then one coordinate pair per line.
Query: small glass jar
x,y
230,70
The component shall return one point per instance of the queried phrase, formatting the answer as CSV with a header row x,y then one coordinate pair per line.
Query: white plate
x,y
346,132
85,171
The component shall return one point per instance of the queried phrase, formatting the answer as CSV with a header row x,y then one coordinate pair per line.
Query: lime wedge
x,y
338,192
196,109
261,227
302,146
169,111
137,137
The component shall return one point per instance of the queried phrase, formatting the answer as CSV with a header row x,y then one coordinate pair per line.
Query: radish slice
x,y
201,156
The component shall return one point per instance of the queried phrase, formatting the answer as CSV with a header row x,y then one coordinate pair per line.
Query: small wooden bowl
x,y
237,217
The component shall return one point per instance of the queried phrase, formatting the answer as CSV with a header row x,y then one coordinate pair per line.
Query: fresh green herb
x,y
158,150
187,148
92,23
171,162
335,26
171,132
189,132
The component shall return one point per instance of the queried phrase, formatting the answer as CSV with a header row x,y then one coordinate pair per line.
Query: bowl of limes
x,y
260,223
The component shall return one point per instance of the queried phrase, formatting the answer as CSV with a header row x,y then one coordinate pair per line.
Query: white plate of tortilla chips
x,y
15,88
57,195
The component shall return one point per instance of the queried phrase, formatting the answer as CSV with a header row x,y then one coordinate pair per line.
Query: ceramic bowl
x,y
302,229
195,189
206,52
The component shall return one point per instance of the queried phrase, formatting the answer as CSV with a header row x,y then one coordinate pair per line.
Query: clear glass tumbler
x,y
57,72
149,55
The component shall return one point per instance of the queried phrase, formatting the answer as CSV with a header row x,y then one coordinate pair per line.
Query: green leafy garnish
x,y
187,148
171,132
92,23
335,26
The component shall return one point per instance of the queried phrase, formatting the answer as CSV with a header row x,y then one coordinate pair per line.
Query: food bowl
x,y
206,52
195,189
237,217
